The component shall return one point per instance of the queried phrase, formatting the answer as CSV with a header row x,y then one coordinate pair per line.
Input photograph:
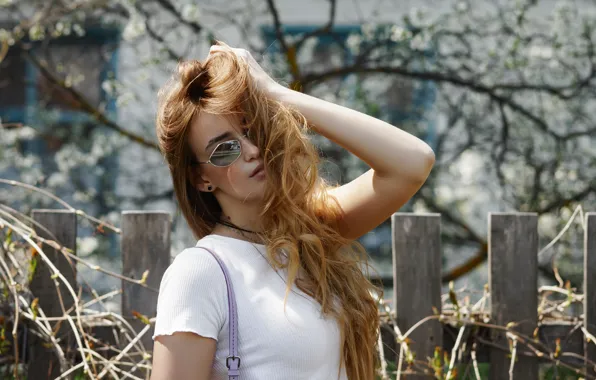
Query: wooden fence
x,y
513,272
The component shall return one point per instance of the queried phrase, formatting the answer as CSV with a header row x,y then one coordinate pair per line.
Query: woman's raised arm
x,y
399,161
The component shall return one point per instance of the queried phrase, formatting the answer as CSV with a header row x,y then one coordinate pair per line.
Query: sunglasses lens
x,y
226,153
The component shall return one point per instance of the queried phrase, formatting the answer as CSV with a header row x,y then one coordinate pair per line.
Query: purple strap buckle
x,y
233,360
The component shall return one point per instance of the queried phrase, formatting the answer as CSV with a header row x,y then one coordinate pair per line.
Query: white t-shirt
x,y
296,344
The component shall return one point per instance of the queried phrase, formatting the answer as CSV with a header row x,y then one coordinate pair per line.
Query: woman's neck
x,y
231,232
245,215
239,219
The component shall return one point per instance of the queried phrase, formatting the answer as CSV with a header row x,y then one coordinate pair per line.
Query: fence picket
x,y
145,246
590,290
513,281
417,278
61,226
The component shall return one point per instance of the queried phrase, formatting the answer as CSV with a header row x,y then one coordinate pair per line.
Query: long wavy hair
x,y
299,215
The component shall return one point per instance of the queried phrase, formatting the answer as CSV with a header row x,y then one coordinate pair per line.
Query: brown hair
x,y
299,216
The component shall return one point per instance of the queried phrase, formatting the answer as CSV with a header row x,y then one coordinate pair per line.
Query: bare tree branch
x,y
87,107
310,79
278,26
325,29
169,6
156,36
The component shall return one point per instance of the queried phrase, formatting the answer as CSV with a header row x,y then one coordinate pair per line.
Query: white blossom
x,y
37,32
110,87
541,52
354,40
125,99
191,12
68,157
135,28
78,29
26,133
82,196
399,34
5,35
57,179
86,245
368,30
420,42
462,6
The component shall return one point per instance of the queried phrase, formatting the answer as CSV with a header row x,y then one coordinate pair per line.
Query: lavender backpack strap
x,y
233,360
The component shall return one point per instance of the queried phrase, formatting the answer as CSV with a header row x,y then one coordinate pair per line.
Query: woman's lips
x,y
259,174
258,170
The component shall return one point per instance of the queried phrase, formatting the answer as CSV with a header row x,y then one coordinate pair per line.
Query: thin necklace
x,y
242,231
232,225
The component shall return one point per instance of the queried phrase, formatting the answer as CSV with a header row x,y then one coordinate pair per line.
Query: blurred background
x,y
503,91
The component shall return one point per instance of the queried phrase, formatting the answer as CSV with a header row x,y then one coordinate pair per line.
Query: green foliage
x,y
32,267
4,343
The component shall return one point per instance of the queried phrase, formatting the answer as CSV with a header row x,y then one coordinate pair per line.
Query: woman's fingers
x,y
215,48
244,54
240,52
261,78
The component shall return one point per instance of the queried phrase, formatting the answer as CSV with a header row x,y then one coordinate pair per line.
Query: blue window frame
x,y
28,107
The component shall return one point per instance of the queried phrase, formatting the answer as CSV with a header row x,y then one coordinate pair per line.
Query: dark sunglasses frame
x,y
245,135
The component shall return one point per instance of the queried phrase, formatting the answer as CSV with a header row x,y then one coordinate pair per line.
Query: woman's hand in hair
x,y
263,81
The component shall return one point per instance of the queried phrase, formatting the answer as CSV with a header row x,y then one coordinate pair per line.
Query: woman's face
x,y
237,180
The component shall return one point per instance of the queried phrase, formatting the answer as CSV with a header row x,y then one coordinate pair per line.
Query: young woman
x,y
245,176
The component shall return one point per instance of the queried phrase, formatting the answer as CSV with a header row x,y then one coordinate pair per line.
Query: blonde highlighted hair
x,y
299,216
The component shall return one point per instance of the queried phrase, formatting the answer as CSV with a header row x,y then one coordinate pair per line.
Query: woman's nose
x,y
250,149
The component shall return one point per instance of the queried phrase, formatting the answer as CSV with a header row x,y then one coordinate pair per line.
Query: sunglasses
x,y
226,153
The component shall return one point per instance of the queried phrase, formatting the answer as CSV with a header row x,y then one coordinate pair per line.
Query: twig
x,y
15,329
62,202
589,335
101,298
400,361
37,190
382,355
124,351
577,210
139,282
460,334
46,329
513,354
57,273
420,322
475,362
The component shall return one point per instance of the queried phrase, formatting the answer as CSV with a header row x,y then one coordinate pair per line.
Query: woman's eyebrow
x,y
219,138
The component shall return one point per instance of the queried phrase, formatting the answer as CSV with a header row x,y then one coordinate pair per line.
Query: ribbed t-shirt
x,y
295,343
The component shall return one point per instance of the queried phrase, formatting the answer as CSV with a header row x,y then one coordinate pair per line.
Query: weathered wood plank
x,y
513,276
62,224
389,342
590,289
417,277
145,246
